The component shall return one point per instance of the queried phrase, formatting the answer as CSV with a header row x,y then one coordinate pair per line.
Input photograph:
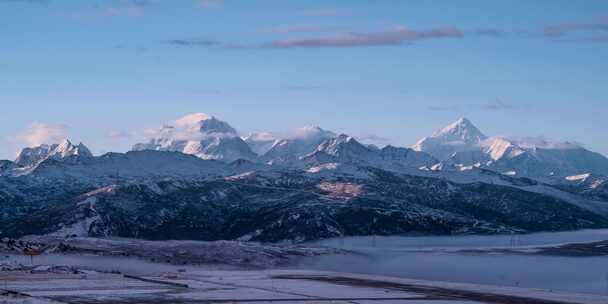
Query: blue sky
x,y
102,72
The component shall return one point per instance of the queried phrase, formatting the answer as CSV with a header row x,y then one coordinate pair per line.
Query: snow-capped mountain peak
x,y
202,135
310,133
203,123
500,147
260,142
260,136
33,156
459,136
193,118
461,130
532,157
340,143
346,149
297,143
66,149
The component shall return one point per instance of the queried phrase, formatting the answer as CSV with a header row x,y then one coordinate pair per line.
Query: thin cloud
x,y
398,36
498,105
297,28
129,11
446,108
377,140
119,135
121,8
125,8
193,42
26,1
558,30
138,2
589,39
327,12
544,142
596,39
136,49
206,92
42,133
489,32
296,87
210,3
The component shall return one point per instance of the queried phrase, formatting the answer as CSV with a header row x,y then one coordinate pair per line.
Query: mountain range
x,y
197,178
462,145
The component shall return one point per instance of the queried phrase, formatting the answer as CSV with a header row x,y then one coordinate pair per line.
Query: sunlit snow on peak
x,y
191,119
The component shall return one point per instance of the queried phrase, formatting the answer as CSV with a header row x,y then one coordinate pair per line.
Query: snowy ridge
x,y
135,164
463,146
30,157
346,149
459,147
260,143
296,144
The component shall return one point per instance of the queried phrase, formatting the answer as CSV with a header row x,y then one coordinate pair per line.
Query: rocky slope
x,y
272,205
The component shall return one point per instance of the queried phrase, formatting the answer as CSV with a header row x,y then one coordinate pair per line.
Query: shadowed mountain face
x,y
210,200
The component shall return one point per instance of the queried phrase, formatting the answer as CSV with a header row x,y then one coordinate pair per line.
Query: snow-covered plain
x,y
450,259
266,286
415,262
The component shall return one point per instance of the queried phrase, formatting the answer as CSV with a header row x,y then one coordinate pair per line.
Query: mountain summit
x,y
30,157
461,130
459,136
463,145
204,124
297,143
201,135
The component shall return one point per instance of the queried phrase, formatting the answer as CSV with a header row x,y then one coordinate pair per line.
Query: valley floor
x,y
277,286
545,268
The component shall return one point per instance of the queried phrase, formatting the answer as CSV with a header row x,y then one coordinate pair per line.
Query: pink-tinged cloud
x,y
42,133
396,37
561,29
297,28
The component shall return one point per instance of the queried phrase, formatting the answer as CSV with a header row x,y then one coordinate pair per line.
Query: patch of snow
x,y
578,178
322,167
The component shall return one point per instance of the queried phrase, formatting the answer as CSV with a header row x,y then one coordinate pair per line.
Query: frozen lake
x,y
435,258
